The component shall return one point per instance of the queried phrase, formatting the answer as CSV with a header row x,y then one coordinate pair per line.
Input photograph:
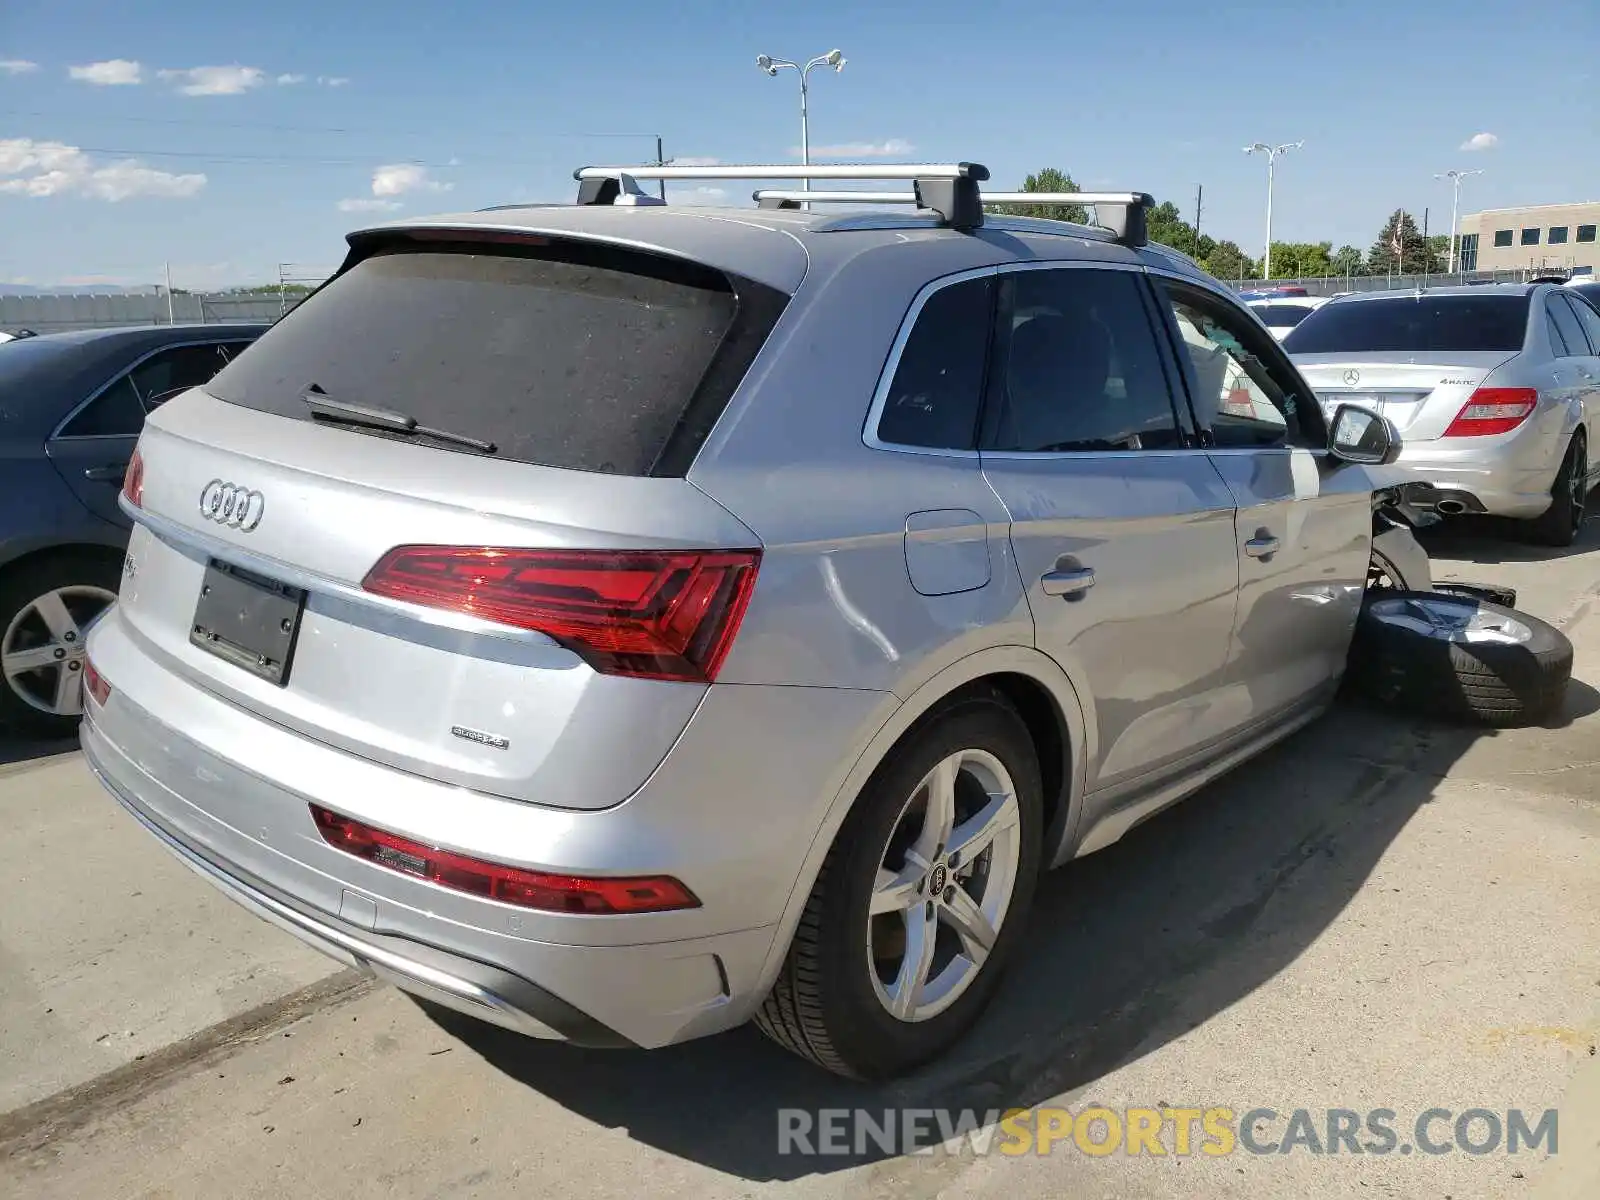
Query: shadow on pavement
x,y
1128,950
15,750
1493,540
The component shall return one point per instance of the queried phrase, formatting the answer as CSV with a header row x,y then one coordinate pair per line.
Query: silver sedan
x,y
1491,387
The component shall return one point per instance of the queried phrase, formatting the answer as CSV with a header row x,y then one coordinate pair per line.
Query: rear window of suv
x,y
561,354
1425,324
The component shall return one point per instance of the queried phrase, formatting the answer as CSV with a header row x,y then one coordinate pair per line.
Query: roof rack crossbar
x,y
669,171
1125,220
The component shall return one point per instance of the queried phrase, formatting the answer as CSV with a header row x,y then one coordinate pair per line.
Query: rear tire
x,y
1560,523
45,604
1459,658
838,1000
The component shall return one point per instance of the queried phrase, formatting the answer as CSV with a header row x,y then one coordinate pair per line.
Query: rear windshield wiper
x,y
348,412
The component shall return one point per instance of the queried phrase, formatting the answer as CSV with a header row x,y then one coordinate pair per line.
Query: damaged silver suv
x,y
623,620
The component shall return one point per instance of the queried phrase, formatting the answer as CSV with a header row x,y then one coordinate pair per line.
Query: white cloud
x,y
332,80
690,160
1481,141
363,205
111,73
30,168
708,195
399,178
893,148
216,81
17,66
286,80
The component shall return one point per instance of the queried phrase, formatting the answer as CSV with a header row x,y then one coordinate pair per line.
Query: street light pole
x,y
1272,153
834,59
1455,178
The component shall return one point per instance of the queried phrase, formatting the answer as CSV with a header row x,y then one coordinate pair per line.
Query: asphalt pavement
x,y
1378,914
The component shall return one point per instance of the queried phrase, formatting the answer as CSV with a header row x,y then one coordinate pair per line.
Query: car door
x,y
91,448
1122,529
1579,326
1303,523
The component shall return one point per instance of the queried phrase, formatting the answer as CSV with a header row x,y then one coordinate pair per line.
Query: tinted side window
x,y
938,383
1566,322
1077,366
116,412
1589,319
1245,395
163,375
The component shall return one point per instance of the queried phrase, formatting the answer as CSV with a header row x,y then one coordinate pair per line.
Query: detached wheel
x,y
1459,658
1560,523
45,606
920,902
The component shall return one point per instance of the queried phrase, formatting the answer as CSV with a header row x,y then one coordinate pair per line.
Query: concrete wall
x,y
55,313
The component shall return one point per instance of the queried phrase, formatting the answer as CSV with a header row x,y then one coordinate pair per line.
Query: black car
x,y
71,408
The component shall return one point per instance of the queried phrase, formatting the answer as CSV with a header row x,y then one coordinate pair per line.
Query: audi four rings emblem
x,y
1352,377
231,505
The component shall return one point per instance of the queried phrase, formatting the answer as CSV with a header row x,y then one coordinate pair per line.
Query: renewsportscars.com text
x,y
1212,1131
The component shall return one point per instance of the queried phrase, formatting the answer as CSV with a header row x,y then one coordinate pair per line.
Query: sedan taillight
x,y
1493,410
133,481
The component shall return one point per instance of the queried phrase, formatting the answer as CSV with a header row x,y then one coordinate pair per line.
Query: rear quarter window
x,y
562,354
1402,324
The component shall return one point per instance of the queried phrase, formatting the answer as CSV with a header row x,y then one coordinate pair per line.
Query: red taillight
x,y
133,481
95,684
510,885
652,614
1493,410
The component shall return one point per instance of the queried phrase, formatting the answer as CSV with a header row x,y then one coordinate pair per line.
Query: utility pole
x,y
661,161
171,318
1272,153
1199,190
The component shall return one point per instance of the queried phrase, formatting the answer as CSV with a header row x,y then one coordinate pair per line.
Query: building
x,y
1539,237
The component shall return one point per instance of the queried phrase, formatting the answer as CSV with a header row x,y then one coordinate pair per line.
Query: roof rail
x,y
949,189
1126,221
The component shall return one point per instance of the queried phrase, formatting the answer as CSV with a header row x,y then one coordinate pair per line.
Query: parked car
x,y
71,407
1280,315
1493,388
1588,288
620,623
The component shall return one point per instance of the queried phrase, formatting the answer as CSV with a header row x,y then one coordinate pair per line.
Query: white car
x,y
1283,313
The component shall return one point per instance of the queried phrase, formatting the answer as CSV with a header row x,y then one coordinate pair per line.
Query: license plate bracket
x,y
248,620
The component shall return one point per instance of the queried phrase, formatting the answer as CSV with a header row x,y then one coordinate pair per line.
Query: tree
x,y
1227,261
1302,260
1047,180
1165,224
1401,249
1346,261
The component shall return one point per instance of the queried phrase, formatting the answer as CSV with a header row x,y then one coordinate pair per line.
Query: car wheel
x,y
45,608
920,902
1560,523
1460,658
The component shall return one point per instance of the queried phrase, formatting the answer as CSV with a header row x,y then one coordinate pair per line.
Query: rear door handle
x,y
1068,583
1261,546
112,473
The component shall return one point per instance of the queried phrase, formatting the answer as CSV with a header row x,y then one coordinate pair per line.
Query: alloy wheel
x,y
42,651
944,885
1577,482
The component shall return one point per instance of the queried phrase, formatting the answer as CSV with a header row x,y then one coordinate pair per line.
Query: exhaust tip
x,y
1451,508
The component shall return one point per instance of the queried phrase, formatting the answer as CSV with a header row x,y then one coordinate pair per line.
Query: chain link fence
x,y
56,313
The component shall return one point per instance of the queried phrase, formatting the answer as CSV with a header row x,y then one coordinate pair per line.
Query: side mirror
x,y
1359,435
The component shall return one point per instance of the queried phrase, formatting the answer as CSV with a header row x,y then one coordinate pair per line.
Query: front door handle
x,y
1068,583
1261,546
108,474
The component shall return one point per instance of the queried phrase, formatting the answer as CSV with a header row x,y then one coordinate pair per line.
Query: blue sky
x,y
498,102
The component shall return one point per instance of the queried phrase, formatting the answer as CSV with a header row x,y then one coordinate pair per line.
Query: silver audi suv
x,y
621,621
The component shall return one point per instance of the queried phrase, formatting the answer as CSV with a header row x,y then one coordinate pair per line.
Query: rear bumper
x,y
1505,477
462,984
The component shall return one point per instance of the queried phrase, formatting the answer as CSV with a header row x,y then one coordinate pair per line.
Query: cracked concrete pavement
x,y
1375,914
